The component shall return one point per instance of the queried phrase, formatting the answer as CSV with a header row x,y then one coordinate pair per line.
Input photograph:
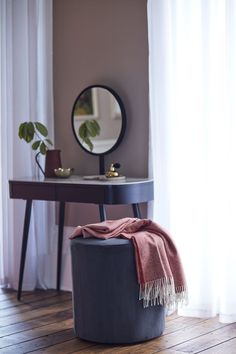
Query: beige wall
x,y
101,42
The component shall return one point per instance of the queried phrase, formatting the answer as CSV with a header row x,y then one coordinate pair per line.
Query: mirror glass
x,y
98,119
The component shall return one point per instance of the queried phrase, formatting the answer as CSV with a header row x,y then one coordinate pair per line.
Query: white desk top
x,y
75,179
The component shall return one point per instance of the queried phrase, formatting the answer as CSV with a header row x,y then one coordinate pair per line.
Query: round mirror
x,y
98,119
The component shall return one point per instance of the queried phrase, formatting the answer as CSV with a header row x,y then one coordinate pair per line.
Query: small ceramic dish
x,y
63,172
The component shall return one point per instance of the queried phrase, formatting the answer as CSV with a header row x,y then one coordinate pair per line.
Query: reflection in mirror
x,y
98,119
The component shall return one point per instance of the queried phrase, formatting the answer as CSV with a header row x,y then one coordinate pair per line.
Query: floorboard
x,y
42,322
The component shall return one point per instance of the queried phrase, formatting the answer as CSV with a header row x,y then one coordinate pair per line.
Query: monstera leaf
x,y
29,131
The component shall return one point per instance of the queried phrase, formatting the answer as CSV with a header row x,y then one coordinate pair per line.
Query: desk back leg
x,y
136,211
102,212
24,245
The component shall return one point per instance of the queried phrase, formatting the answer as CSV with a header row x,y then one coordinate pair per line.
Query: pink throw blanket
x,y
159,270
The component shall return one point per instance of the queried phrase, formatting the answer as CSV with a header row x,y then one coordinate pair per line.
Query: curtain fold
x,y
192,75
26,94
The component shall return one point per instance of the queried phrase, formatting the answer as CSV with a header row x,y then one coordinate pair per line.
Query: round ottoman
x,y
105,294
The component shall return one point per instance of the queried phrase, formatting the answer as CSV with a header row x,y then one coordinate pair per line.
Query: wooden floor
x,y
42,323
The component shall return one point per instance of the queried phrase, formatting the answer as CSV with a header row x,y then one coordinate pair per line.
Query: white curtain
x,y
26,94
192,75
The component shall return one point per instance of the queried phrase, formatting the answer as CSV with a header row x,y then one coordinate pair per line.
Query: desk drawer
x,y
81,194
129,193
34,191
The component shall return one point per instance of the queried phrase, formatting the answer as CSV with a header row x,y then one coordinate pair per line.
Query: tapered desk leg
x,y
102,212
136,211
60,242
24,245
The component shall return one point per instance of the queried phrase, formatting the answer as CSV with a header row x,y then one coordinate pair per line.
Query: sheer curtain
x,y
192,74
26,94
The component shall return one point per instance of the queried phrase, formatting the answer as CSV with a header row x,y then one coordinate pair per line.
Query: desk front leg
x,y
60,242
24,245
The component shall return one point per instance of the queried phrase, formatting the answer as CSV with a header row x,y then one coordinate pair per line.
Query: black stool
x,y
105,294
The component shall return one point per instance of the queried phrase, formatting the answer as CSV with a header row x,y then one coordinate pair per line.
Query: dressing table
x,y
77,190
98,122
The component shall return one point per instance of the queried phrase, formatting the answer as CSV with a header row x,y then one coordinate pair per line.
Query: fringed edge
x,y
163,292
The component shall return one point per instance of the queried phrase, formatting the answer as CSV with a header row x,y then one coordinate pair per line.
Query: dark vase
x,y
52,161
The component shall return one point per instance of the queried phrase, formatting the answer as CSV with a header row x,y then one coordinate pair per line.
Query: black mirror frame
x,y
123,119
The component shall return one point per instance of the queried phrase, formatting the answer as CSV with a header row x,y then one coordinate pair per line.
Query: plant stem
x,y
37,162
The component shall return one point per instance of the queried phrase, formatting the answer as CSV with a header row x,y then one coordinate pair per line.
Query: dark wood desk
x,y
77,190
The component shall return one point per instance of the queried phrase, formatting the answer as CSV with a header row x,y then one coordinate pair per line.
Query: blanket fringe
x,y
162,292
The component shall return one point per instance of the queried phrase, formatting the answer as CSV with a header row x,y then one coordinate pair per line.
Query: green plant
x,y
36,133
87,130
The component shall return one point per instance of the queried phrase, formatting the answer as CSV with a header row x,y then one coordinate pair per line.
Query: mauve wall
x,y
101,42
